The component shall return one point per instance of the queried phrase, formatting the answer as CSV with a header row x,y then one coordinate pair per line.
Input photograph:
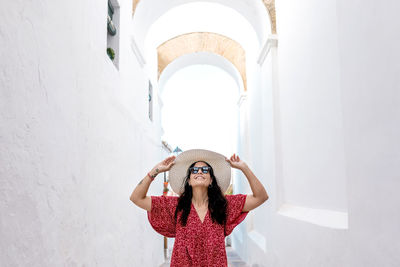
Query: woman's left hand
x,y
236,162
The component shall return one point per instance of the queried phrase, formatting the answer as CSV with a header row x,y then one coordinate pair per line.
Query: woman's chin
x,y
199,185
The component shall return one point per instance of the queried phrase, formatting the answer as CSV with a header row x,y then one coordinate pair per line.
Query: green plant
x,y
111,53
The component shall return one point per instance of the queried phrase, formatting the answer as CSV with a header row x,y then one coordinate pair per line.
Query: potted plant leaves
x,y
111,53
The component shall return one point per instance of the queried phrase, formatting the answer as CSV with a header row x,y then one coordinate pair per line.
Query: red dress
x,y
197,244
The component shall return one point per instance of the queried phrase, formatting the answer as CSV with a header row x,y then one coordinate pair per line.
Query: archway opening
x,y
200,109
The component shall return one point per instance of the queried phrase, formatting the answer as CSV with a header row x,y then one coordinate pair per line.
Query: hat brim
x,y
178,171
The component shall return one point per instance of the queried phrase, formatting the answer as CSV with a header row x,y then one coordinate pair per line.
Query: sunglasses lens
x,y
205,169
194,170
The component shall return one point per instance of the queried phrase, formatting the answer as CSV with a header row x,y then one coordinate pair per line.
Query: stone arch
x,y
270,6
206,42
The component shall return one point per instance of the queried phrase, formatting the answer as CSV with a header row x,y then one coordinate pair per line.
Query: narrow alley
x,y
95,96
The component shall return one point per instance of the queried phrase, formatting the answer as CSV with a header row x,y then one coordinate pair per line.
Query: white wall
x,y
333,187
310,109
75,140
369,41
147,12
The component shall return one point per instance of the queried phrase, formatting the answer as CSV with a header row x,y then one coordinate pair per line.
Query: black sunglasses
x,y
204,169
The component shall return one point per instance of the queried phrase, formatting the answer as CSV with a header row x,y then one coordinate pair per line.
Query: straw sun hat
x,y
178,171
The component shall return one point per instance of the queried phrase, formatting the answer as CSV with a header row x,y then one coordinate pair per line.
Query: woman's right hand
x,y
165,165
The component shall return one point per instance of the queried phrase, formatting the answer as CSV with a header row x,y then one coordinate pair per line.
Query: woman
x,y
201,216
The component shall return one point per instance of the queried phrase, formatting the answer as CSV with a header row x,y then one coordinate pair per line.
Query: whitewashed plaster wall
x,y
369,38
335,130
75,139
147,12
310,106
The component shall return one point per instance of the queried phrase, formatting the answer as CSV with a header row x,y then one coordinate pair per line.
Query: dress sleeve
x,y
161,216
234,212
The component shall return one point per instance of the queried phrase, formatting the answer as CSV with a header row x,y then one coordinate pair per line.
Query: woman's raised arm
x,y
259,195
139,194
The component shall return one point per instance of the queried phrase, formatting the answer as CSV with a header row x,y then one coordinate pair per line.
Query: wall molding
x,y
242,98
258,239
322,217
272,41
137,52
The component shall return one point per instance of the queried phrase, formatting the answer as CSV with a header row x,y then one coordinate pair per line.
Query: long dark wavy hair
x,y
217,203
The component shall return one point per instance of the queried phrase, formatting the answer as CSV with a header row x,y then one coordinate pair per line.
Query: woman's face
x,y
200,178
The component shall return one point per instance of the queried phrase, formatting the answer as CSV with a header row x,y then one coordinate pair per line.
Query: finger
x,y
172,163
172,158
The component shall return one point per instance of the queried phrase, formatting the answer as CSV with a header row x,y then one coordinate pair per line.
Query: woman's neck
x,y
200,196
